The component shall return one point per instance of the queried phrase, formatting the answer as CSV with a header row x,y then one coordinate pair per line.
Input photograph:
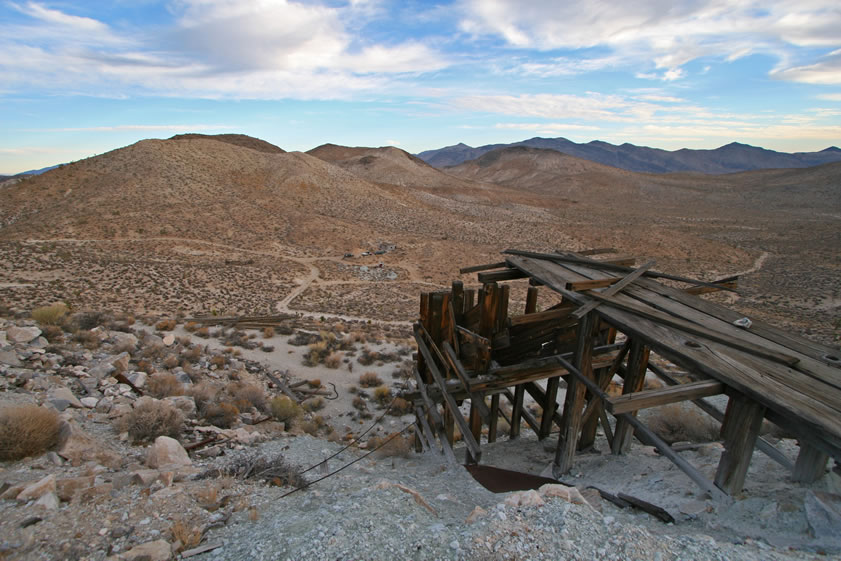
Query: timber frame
x,y
615,320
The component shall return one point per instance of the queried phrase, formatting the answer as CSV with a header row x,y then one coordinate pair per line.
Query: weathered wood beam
x,y
503,275
634,381
526,414
662,396
494,420
616,288
742,422
591,284
477,268
810,464
539,317
516,411
597,251
432,410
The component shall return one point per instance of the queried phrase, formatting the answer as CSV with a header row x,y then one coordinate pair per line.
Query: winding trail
x,y
757,264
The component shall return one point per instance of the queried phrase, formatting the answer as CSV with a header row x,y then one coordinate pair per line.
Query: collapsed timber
x,y
610,321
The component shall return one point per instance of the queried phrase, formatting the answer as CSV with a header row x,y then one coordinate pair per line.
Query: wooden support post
x,y
810,464
517,411
574,402
549,407
469,299
531,300
494,420
740,430
502,307
458,300
526,415
589,425
475,420
489,298
634,381
432,410
449,426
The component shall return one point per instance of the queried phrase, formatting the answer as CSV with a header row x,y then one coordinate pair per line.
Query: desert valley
x,y
123,275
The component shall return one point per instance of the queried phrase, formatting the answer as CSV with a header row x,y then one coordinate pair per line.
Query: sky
x,y
80,78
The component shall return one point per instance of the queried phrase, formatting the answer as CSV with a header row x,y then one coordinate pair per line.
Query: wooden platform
x,y
472,348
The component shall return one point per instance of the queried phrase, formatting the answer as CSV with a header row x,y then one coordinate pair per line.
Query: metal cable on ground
x,y
332,473
355,440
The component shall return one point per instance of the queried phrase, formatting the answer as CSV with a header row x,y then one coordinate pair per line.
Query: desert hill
x,y
733,157
237,140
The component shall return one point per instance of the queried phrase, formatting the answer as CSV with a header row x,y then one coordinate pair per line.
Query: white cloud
x,y
830,96
545,127
119,128
826,71
666,33
591,106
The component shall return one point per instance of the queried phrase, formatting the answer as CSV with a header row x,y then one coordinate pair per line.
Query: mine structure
x,y
615,320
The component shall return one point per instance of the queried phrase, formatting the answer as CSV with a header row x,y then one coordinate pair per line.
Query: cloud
x,y
120,128
591,106
830,96
545,127
826,71
661,32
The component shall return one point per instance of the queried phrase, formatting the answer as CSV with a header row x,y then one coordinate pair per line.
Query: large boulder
x,y
22,334
78,447
167,451
38,489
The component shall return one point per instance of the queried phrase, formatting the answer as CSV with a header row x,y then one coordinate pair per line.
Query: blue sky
x,y
81,78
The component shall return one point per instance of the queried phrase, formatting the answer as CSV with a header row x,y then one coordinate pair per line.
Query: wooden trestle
x,y
473,348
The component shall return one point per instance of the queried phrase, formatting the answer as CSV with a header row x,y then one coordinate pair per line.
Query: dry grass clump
x,y
302,338
400,407
370,380
382,395
165,325
151,419
674,423
203,332
268,332
204,394
273,470
171,361
285,409
192,354
27,430
89,339
53,333
84,321
188,536
313,426
222,415
399,446
219,361
163,385
246,395
191,326
313,404
333,360
50,315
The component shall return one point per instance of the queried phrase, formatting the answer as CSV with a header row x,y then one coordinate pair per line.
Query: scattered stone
x,y
158,550
183,377
78,447
10,357
89,402
120,362
186,403
694,508
104,405
48,501
167,451
124,340
38,489
23,335
525,498
138,379
63,394
67,488
475,515
145,477
823,512
168,340
32,520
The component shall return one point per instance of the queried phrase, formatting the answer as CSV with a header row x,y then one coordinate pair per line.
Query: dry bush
x,y
163,385
268,332
187,535
359,403
400,407
153,351
165,325
352,390
27,430
333,360
370,380
382,395
219,361
191,326
302,338
317,353
151,419
53,333
399,446
284,409
192,354
204,395
315,383
203,332
273,470
674,423
50,315
89,339
171,361
146,366
313,404
250,395
222,415
85,321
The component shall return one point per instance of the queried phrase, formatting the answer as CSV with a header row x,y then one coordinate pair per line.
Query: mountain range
x,y
731,158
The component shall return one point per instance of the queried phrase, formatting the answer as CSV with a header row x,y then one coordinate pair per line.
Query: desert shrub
x,y
165,325
27,430
222,415
163,385
315,383
268,332
284,329
171,361
87,320
370,380
333,360
284,409
367,357
398,446
313,404
382,395
359,403
272,469
188,536
50,315
302,338
352,390
249,395
317,353
267,348
192,354
219,361
191,326
674,423
400,407
53,333
203,332
153,351
89,339
151,419
204,395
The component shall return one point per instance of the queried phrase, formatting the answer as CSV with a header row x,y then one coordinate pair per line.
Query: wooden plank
x,y
634,381
742,422
616,288
531,300
422,432
457,301
574,400
539,317
502,307
474,453
594,405
477,268
597,251
539,396
432,410
663,396
810,464
591,284
458,368
516,411
475,420
503,275
527,416
550,404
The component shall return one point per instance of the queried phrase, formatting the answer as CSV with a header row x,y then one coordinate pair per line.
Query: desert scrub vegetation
x,y
191,327
27,430
50,315
370,380
398,446
165,325
400,407
163,385
88,339
222,415
204,394
382,395
284,409
313,404
245,396
268,332
333,360
151,419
